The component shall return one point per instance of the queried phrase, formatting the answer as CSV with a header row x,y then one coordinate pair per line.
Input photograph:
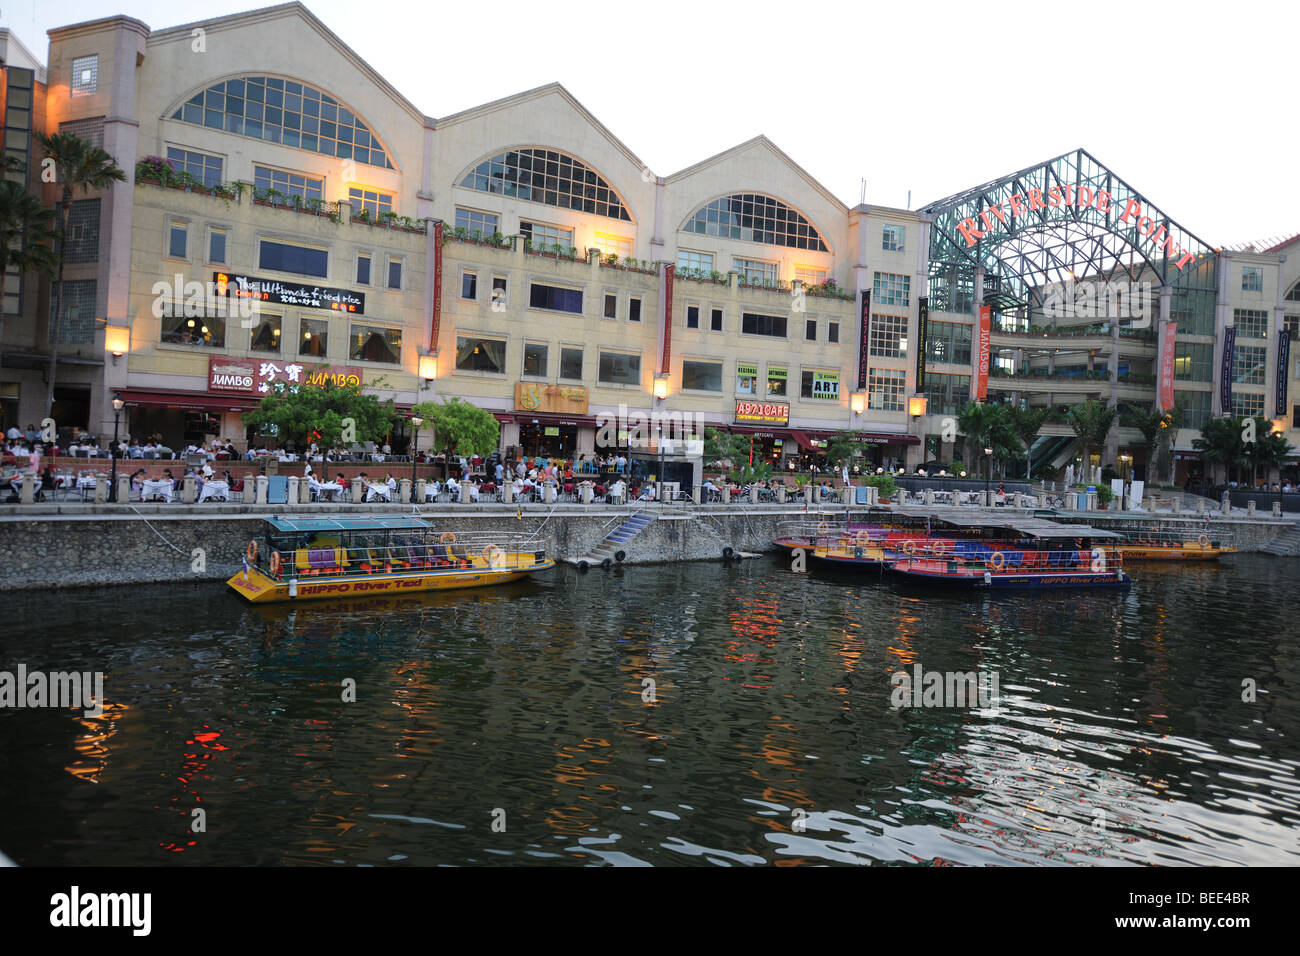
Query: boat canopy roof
x,y
1018,523
318,523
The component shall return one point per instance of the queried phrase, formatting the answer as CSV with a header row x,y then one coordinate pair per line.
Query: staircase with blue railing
x,y
618,539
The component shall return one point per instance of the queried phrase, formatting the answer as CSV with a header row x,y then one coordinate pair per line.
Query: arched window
x,y
753,217
288,112
1294,294
549,177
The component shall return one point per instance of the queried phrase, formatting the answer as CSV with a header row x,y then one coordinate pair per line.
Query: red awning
x,y
176,398
803,439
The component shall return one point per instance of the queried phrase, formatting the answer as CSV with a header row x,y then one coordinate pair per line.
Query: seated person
x,y
473,490
453,489
617,490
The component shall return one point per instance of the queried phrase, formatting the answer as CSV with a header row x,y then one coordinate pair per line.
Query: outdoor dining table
x,y
215,489
331,488
16,483
380,492
87,482
153,489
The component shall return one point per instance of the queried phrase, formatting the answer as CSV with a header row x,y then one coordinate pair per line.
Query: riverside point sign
x,y
1080,197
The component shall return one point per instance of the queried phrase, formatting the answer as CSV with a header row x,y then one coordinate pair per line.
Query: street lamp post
x,y
988,474
416,422
118,405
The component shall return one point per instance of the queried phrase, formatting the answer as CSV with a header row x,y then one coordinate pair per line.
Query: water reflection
x,y
518,724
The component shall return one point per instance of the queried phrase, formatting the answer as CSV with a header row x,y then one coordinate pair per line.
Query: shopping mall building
x,y
520,256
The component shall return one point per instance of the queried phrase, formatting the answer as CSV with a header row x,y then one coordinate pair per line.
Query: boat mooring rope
x,y
157,532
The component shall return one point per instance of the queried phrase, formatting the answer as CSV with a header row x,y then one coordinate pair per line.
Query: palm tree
x,y
25,233
1220,444
1269,449
987,425
1157,427
76,163
1026,423
1091,420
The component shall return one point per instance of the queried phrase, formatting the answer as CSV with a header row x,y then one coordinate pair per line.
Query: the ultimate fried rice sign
x,y
1080,197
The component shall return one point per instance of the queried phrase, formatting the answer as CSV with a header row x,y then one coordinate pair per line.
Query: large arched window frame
x,y
279,110
550,177
1293,294
757,218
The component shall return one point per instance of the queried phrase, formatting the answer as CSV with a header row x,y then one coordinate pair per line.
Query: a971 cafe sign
x,y
766,413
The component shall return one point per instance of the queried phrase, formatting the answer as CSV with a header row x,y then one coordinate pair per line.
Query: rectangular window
x,y
810,330
1252,279
1193,362
363,269
85,75
716,321
468,285
90,129
476,354
885,389
203,331
615,245
1247,404
177,240
947,342
375,343
83,232
1292,324
1196,408
611,305
1248,364
889,335
695,261
746,378
477,225
824,386
284,257
692,316
571,364
776,379
619,368
206,169
217,246
265,336
315,337
544,238
554,298
809,275
499,298
701,376
892,239
371,201
634,308
535,359
394,273
288,184
946,393
1251,323
78,325
833,333
891,289
756,270
751,323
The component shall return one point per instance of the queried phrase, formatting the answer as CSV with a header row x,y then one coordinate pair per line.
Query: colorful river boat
x,y
315,557
1174,546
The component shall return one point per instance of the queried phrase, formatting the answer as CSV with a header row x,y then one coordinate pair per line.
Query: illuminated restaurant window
x,y
265,337
374,343
314,335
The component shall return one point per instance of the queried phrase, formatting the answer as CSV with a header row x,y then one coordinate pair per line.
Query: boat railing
x,y
1154,538
967,557
462,550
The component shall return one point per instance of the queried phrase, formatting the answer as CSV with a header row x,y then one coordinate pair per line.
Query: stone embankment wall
x,y
76,545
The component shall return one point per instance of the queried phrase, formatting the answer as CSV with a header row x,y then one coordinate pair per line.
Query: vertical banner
x,y
1225,369
922,325
1283,356
436,318
666,356
864,340
985,330
1167,366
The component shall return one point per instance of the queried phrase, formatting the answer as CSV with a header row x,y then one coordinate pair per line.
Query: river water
x,y
687,714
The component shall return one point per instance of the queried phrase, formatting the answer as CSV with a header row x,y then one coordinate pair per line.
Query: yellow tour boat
x,y
1175,546
315,557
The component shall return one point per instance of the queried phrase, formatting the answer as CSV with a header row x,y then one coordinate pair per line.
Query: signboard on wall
x,y
1283,354
826,386
983,349
1167,366
249,376
1225,370
922,325
864,340
767,413
289,293
558,399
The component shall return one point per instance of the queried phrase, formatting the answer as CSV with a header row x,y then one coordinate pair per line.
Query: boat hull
x,y
1187,552
259,588
1021,581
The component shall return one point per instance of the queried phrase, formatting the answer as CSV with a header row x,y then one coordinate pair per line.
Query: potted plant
x,y
154,170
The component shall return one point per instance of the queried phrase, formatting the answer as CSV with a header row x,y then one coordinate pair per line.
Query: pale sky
x,y
1194,104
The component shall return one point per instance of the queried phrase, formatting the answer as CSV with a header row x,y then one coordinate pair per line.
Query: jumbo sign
x,y
1080,197
260,377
